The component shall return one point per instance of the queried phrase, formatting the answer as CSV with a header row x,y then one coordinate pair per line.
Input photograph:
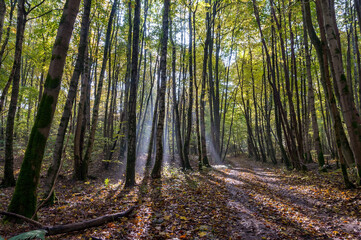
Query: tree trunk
x,y
187,138
132,121
156,172
203,89
344,151
175,105
24,199
81,172
311,104
79,66
9,179
348,107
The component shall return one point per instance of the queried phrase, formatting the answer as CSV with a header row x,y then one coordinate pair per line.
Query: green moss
x,y
354,124
343,78
51,82
345,90
44,112
358,174
24,198
55,56
321,159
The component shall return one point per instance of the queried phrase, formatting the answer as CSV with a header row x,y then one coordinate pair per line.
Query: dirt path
x,y
242,200
272,205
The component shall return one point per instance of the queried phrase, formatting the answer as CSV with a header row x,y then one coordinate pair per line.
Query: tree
x,y
24,199
156,172
9,179
79,67
132,121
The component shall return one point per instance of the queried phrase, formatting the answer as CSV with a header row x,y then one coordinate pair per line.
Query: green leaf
x,y
30,235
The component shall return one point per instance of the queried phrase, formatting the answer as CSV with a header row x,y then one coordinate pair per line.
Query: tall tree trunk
x,y
79,66
24,199
2,51
203,89
132,105
344,151
187,138
348,107
311,103
81,172
82,119
9,179
175,105
156,172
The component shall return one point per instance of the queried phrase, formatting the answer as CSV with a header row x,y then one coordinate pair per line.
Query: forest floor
x,y
240,200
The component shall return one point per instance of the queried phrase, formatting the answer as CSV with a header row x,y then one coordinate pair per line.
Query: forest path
x,y
241,200
271,204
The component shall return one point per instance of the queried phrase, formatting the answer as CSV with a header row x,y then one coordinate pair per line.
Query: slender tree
x,y
132,121
156,172
9,179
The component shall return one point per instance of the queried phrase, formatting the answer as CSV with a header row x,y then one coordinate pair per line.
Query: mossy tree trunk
x,y
79,66
348,106
343,148
24,199
9,179
156,172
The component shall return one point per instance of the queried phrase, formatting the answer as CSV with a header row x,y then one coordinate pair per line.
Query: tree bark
x,y
132,105
24,199
311,103
79,67
348,107
81,172
156,172
205,161
9,179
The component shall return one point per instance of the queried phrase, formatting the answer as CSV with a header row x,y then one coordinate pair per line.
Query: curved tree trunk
x,y
79,66
24,199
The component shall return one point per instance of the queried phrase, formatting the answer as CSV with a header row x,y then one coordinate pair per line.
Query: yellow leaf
x,y
183,218
202,234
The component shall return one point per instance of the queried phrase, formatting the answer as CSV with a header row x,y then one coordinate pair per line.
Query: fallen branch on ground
x,y
59,229
28,220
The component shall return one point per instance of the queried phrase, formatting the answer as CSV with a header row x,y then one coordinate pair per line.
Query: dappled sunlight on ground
x,y
238,200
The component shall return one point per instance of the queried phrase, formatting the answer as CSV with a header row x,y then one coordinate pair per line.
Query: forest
x,y
190,119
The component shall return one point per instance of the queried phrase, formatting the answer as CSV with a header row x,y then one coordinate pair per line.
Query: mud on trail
x,y
240,200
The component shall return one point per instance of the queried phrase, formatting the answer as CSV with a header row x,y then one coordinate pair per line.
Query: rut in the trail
x,y
270,205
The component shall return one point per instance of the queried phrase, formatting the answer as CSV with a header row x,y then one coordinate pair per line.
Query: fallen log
x,y
59,229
